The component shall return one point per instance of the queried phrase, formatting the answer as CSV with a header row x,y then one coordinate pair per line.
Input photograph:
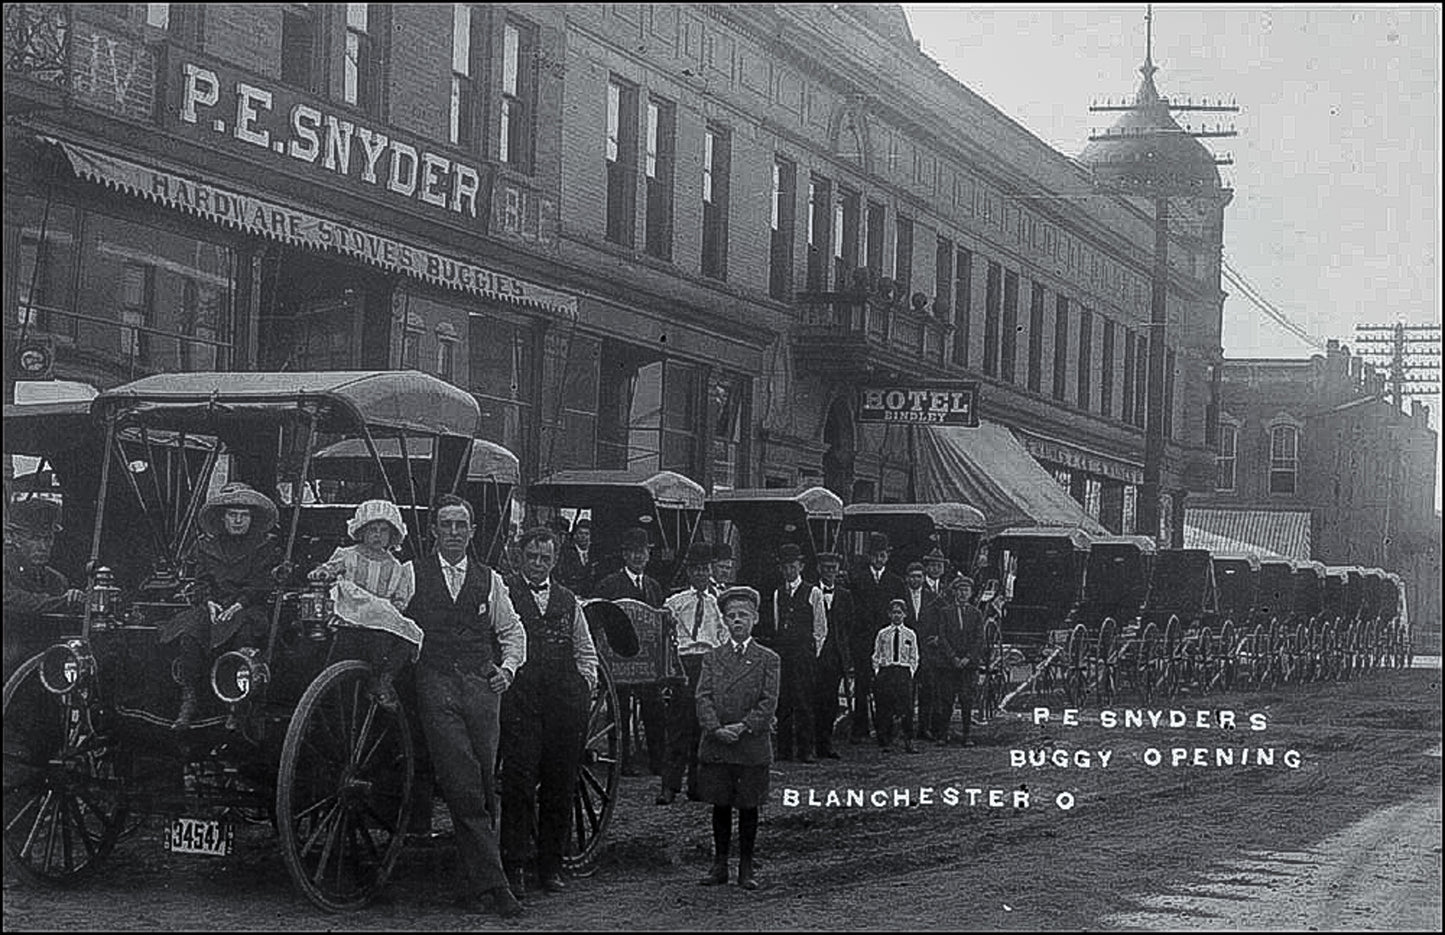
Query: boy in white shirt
x,y
895,660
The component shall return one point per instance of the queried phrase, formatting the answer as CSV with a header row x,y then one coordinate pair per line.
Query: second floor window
x,y
661,136
1086,356
846,217
1036,338
820,213
621,162
1009,333
1061,347
782,221
873,239
464,94
299,35
519,56
1224,459
716,160
903,257
1283,458
361,71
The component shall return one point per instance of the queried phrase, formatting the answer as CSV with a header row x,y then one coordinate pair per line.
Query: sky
x,y
1337,165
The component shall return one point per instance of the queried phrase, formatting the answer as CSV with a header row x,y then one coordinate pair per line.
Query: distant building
x,y
1313,462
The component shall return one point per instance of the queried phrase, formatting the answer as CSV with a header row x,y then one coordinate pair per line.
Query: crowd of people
x,y
504,660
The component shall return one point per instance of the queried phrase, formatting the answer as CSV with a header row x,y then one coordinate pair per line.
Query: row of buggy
x,y
291,736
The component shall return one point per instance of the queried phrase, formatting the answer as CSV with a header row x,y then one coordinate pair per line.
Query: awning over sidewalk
x,y
987,467
1283,532
1195,538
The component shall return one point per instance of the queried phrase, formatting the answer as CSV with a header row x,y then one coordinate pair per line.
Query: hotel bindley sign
x,y
951,403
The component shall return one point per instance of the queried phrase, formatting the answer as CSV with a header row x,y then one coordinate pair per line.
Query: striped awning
x,y
1282,532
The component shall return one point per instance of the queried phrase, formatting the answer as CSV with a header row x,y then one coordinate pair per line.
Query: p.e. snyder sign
x,y
952,403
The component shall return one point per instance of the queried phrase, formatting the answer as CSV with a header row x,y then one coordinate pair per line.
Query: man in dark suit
x,y
951,641
795,626
574,563
474,644
632,580
916,598
737,696
836,658
873,588
544,716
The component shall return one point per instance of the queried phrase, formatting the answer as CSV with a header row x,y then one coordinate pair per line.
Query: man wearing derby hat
x,y
795,626
836,657
575,566
32,587
737,696
234,558
874,587
724,569
699,628
633,581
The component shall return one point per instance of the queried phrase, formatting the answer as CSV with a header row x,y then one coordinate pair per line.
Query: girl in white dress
x,y
370,589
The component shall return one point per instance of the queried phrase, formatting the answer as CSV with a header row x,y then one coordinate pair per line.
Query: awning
x,y
1195,538
987,467
1278,532
189,192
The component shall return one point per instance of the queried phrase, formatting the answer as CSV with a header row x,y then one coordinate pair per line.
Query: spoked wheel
x,y
1075,681
1106,652
995,672
344,790
1145,674
1173,653
65,793
1228,656
1280,659
1261,659
595,796
1204,660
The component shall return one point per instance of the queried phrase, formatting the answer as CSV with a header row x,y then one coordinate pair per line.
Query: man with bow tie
x,y
699,628
737,696
632,580
474,647
873,588
574,564
835,659
544,716
796,627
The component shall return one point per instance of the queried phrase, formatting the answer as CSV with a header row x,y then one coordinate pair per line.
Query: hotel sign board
x,y
929,403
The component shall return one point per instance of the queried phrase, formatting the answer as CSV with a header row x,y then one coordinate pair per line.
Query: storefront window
x,y
38,280
569,439
727,413
1131,509
502,367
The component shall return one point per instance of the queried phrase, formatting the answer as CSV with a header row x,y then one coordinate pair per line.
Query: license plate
x,y
201,836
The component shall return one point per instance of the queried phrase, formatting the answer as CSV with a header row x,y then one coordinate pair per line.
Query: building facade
x,y
1317,438
657,236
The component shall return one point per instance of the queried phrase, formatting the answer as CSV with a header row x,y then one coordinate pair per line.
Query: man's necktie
x,y
738,650
538,588
697,616
896,640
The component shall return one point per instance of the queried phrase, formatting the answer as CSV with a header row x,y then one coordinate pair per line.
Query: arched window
x,y
1283,459
1224,456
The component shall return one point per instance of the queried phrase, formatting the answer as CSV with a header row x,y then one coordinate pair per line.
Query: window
x,y
1086,355
361,70
1093,496
464,94
991,306
1283,458
158,15
1036,337
943,280
446,351
659,158
1009,339
569,432
1141,375
727,415
181,21
903,257
621,162
716,160
411,342
1169,364
519,57
1061,347
873,244
820,243
1106,372
42,276
1130,521
963,306
785,201
502,366
847,217
300,33
1126,413
681,421
1224,458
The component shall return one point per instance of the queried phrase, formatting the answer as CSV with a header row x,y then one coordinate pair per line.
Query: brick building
x,y
657,236
1314,462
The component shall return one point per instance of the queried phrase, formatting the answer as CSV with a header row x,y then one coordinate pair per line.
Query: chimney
x,y
1356,365
1337,365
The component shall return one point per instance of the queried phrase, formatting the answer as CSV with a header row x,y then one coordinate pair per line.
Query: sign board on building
x,y
929,403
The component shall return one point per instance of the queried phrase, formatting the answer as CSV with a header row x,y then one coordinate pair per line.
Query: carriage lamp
x,y
236,674
66,666
314,609
103,593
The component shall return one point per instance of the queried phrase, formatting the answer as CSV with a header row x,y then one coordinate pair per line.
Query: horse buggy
x,y
288,729
1108,648
760,520
1197,649
1244,636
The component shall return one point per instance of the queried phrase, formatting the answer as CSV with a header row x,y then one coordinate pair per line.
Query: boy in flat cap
x,y
737,697
32,587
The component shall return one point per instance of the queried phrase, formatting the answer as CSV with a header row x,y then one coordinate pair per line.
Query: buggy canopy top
x,y
489,460
587,488
959,516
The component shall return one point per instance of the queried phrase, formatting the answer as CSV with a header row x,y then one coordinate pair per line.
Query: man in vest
x,y
574,564
834,661
873,589
699,628
474,645
632,580
796,628
544,716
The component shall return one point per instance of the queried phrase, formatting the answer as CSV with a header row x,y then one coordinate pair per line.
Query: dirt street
x,y
1345,836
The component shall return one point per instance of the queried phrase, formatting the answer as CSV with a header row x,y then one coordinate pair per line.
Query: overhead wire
x,y
1270,310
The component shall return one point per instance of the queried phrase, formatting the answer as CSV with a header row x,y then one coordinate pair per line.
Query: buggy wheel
x,y
1075,681
1204,660
65,798
1146,662
344,790
1106,652
1260,657
1173,655
995,673
1228,656
598,775
1279,656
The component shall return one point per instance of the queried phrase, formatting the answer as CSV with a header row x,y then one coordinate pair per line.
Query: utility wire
x,y
1270,310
